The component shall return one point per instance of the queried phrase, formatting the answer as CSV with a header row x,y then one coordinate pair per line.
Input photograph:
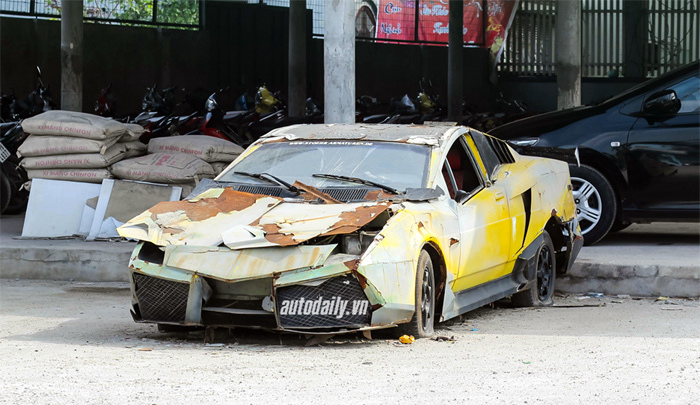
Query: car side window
x,y
488,157
688,92
459,171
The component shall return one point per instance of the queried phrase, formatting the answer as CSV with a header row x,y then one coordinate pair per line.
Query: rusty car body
x,y
326,229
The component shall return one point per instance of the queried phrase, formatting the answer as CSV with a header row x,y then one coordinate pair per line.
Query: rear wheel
x,y
421,325
596,204
5,191
541,292
19,196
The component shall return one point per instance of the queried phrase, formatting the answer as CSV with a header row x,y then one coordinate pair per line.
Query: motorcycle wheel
x,y
18,202
5,192
18,195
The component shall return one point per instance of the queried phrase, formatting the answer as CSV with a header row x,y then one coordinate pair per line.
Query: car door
x,y
663,153
483,216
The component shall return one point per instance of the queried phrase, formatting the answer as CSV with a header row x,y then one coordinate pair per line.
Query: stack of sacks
x,y
66,145
180,161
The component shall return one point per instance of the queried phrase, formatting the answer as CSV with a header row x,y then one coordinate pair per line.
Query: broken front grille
x,y
338,302
161,300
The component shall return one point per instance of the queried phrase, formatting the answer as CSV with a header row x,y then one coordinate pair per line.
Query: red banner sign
x,y
399,19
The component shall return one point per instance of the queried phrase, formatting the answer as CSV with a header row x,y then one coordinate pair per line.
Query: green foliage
x,y
178,11
168,11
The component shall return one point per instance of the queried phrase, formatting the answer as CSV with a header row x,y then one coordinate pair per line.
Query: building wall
x,y
131,58
241,47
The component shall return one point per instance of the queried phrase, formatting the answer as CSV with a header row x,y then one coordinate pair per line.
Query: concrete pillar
x,y
455,62
72,55
297,57
567,50
634,37
339,61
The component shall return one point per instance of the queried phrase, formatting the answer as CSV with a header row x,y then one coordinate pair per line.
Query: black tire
x,y
5,192
18,195
18,203
596,203
542,290
422,323
619,226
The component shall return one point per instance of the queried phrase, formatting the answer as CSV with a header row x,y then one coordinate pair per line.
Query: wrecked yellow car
x,y
326,229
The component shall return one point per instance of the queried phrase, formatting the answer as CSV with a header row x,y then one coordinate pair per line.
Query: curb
x,y
65,264
101,262
635,280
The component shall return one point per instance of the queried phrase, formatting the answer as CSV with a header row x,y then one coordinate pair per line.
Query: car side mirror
x,y
461,196
662,103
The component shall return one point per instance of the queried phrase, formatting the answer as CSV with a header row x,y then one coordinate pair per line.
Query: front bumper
x,y
331,298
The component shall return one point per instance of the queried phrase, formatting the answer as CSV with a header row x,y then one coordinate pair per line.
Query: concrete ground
x,y
660,259
75,343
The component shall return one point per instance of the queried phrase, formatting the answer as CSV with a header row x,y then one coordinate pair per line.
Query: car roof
x,y
433,134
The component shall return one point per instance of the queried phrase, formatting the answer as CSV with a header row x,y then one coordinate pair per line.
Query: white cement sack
x,y
63,145
172,168
219,166
77,124
134,148
133,132
82,175
207,148
78,161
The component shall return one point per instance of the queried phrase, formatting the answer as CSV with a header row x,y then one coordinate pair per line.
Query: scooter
x,y
13,193
162,116
225,125
279,118
105,102
38,101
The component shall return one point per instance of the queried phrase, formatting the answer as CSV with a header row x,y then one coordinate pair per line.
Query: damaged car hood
x,y
242,220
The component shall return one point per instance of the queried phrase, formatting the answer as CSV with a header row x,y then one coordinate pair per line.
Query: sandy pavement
x,y
75,343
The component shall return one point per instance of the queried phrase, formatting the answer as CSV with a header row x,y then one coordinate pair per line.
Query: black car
x,y
639,152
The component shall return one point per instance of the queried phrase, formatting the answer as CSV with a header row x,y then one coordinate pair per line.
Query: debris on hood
x,y
242,220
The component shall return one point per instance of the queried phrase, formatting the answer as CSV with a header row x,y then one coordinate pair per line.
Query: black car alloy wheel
x,y
427,299
421,325
541,291
545,274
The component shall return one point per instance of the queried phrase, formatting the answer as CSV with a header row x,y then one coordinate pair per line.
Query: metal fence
x,y
184,14
529,48
673,34
316,7
601,38
670,37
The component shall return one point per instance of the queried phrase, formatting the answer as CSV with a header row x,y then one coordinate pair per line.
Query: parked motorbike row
x,y
13,177
251,117
173,111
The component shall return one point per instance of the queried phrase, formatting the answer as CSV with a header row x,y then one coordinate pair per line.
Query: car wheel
x,y
596,204
541,292
619,226
421,325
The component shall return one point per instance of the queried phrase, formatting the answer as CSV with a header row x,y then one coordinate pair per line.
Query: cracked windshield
x,y
396,165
